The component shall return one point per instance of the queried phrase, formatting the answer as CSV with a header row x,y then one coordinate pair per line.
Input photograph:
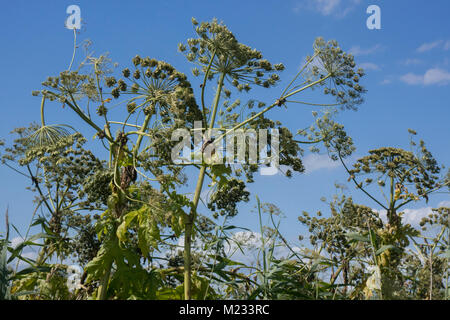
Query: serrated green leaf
x,y
123,227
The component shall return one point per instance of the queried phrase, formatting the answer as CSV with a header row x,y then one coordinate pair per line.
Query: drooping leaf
x,y
123,227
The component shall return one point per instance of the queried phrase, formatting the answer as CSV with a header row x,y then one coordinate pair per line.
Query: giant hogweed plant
x,y
393,178
137,187
218,55
70,184
330,236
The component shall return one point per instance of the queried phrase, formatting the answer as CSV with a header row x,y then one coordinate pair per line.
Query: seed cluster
x,y
71,84
344,81
345,216
225,199
403,166
242,65
156,87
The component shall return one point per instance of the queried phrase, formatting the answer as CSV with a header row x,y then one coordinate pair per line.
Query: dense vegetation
x,y
111,223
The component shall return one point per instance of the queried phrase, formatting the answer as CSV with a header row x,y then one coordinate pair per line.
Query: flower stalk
x,y
192,215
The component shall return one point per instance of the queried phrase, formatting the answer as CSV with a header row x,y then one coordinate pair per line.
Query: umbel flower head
x,y
345,215
438,217
157,88
47,135
404,167
241,65
342,74
71,84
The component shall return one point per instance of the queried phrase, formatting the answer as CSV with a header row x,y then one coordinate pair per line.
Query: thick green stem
x,y
42,111
140,136
390,213
263,249
118,212
191,217
216,100
104,284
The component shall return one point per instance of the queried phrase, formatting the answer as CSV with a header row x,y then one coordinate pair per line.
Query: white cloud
x,y
369,66
326,7
411,216
411,62
429,46
247,240
337,8
16,241
414,216
444,204
411,78
358,51
431,77
197,246
32,255
438,44
242,246
251,244
204,195
314,162
447,45
436,76
388,79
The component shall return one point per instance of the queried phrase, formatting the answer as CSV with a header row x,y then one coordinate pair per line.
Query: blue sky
x,y
407,64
